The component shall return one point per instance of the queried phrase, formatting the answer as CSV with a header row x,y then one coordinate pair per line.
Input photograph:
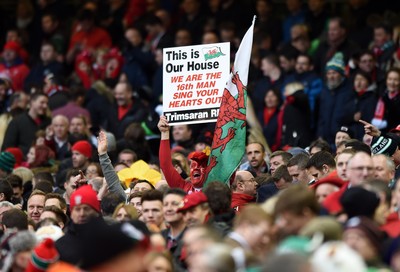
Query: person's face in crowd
x,y
303,65
195,244
39,105
286,64
315,5
358,241
181,133
17,192
122,215
248,184
126,158
69,187
47,53
82,213
153,212
263,8
366,63
197,173
333,79
3,91
275,162
119,167
122,95
260,238
324,190
12,35
359,168
92,172
77,126
396,157
382,170
317,174
137,203
340,137
48,25
341,165
52,202
9,55
35,207
393,81
267,67
293,5
289,223
210,37
380,37
298,175
78,159
190,6
60,127
360,83
335,32
133,36
159,264
271,100
255,155
141,187
171,203
183,38
195,216
30,157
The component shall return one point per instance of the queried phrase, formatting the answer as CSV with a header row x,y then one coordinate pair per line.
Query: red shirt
x,y
94,39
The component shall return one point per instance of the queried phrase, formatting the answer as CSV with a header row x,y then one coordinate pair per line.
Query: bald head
x,y
384,167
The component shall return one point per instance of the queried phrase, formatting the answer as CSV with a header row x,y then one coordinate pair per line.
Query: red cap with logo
x,y
193,200
85,195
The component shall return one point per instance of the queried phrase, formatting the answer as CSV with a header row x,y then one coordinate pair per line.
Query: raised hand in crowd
x,y
163,127
370,129
102,143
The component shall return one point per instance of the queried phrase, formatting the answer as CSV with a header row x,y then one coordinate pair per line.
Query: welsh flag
x,y
230,130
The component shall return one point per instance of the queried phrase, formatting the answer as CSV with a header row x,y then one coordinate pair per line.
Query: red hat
x,y
396,129
18,155
85,195
83,147
199,156
12,45
193,200
43,256
330,179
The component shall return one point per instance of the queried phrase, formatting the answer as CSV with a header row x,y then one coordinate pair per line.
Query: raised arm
x,y
171,175
113,182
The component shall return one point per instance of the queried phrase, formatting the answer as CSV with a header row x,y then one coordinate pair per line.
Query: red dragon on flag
x,y
230,131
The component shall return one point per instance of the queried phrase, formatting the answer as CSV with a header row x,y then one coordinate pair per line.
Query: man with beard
x,y
336,93
126,111
255,164
22,129
198,163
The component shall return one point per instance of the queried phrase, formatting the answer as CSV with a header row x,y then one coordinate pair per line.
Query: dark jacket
x,y
392,110
296,121
21,131
331,112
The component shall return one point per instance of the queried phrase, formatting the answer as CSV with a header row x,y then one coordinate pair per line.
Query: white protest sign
x,y
194,78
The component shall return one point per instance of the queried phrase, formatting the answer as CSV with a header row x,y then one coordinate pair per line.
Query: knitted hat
x,y
383,145
193,200
85,195
12,45
7,162
346,130
357,201
83,147
336,63
43,256
18,155
49,232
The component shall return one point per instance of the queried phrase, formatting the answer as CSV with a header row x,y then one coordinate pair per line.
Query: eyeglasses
x,y
251,180
361,168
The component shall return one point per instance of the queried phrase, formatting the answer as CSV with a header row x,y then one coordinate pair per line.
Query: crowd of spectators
x,y
92,177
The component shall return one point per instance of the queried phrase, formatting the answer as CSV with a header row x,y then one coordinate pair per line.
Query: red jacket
x,y
332,201
172,176
17,74
392,225
240,200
